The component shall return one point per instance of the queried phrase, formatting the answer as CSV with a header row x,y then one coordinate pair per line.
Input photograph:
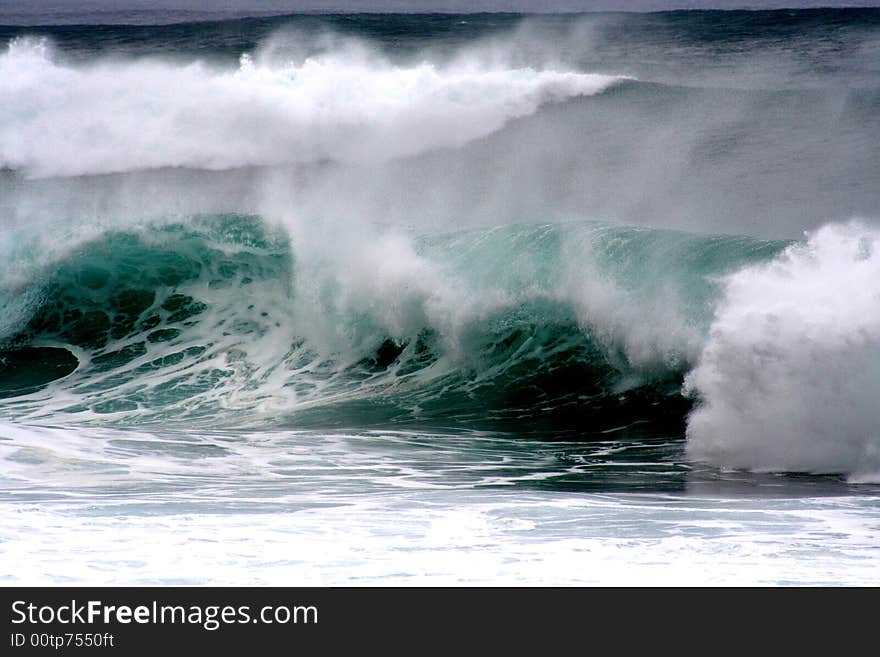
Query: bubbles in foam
x,y
790,376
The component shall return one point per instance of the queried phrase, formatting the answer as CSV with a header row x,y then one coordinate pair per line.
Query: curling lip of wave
x,y
115,117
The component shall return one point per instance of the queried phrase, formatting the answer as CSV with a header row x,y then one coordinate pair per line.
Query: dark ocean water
x,y
531,272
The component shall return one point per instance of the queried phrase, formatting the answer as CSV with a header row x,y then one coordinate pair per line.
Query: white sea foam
x,y
104,506
790,376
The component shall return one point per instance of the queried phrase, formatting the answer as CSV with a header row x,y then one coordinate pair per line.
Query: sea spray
x,y
790,375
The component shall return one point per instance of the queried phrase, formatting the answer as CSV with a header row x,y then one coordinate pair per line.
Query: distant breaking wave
x,y
348,105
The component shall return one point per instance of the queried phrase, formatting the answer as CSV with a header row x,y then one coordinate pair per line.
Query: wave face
x,y
572,328
505,223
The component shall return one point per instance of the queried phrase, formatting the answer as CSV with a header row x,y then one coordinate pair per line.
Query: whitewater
x,y
441,299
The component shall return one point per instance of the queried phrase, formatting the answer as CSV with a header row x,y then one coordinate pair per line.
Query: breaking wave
x,y
325,235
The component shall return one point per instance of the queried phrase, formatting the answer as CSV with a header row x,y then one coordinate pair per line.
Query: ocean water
x,y
359,299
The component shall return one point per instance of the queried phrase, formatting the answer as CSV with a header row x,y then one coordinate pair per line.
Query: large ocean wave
x,y
545,324
327,236
566,331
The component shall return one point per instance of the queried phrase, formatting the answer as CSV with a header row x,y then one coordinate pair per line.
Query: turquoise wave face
x,y
561,330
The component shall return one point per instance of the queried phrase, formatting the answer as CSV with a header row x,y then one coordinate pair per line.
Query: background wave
x,y
345,105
